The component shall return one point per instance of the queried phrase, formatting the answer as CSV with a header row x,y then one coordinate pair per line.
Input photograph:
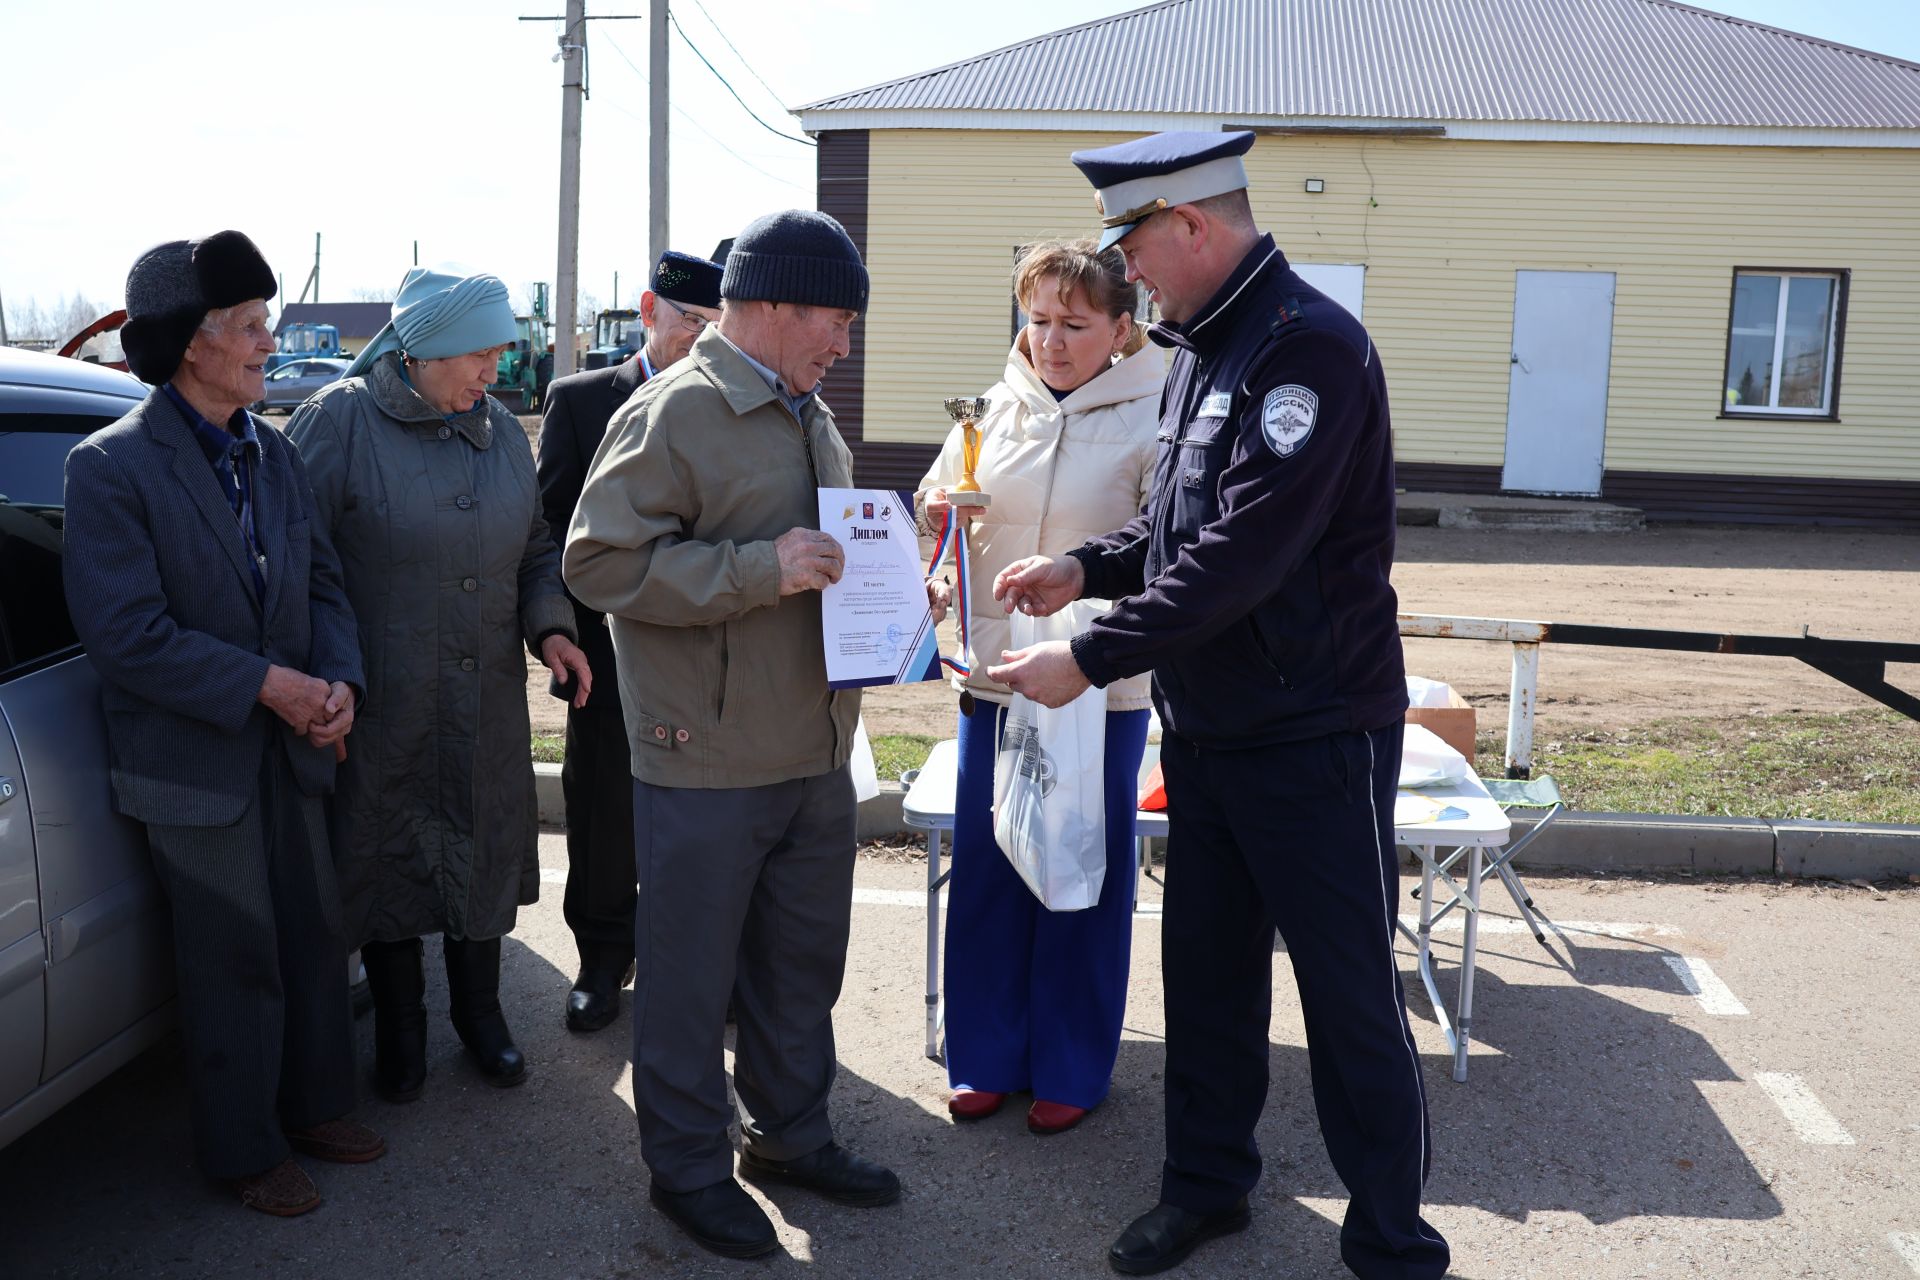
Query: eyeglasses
x,y
691,323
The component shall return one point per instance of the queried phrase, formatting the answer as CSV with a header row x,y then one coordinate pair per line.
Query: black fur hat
x,y
172,287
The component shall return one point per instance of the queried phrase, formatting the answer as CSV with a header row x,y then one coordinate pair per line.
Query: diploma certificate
x,y
876,623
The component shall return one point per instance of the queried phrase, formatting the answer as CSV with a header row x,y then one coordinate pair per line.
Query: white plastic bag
x,y
1049,790
1427,761
866,778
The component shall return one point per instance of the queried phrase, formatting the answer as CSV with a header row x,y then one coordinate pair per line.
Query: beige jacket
x,y
723,679
1059,472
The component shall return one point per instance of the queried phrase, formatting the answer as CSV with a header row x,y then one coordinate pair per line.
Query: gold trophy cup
x,y
967,410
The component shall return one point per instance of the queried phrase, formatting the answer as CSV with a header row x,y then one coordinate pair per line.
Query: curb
x,y
1604,842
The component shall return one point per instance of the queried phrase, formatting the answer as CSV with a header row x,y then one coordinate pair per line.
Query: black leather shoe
x,y
832,1171
595,999
1164,1236
722,1217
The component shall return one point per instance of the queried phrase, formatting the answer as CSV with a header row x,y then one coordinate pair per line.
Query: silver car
x,y
290,384
86,956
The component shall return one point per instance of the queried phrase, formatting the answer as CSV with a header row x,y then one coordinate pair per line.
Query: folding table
x,y
928,807
1439,845
1480,825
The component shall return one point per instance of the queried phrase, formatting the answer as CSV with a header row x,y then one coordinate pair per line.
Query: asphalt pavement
x,y
1702,1078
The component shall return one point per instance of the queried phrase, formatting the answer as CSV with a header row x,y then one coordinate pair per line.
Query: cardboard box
x,y
1452,724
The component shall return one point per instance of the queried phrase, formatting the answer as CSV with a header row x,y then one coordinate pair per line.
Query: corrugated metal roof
x,y
1574,61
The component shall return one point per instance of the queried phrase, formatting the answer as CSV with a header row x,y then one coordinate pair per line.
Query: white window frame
x,y
1836,330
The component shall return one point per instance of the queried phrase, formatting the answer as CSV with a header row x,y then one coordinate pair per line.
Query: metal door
x,y
1557,384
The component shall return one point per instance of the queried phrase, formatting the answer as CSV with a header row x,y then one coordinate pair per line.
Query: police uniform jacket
x,y
1255,585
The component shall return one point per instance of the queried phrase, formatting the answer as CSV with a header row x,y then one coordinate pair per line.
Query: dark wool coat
x,y
450,569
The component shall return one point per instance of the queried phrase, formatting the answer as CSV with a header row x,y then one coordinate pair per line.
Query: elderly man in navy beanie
x,y
211,603
696,536
684,298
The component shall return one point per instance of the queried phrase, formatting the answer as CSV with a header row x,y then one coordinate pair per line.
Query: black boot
x,y
399,990
473,990
595,999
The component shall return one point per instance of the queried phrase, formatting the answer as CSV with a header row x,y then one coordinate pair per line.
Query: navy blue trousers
x,y
1035,997
1300,836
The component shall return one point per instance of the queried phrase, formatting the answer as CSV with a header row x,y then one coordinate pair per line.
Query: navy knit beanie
x,y
798,256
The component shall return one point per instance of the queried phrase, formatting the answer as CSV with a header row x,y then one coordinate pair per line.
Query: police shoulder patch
x,y
1286,418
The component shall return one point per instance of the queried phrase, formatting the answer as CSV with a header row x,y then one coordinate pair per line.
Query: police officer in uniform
x,y
1255,588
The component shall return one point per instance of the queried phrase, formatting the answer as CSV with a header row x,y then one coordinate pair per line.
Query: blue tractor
x,y
307,342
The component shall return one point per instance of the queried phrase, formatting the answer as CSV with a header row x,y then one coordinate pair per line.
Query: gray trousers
x,y
744,891
261,965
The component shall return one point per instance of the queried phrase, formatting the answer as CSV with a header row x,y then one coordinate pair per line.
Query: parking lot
x,y
1756,1117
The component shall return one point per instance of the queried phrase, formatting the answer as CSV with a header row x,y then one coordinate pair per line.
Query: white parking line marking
x,y
1907,1245
890,897
1809,1118
549,876
1704,985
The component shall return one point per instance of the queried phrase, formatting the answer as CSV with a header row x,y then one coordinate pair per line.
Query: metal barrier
x,y
1859,664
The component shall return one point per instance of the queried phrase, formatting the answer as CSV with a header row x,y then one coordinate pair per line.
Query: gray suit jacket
x,y
160,591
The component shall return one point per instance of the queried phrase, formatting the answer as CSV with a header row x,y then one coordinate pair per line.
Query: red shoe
x,y
974,1104
1044,1119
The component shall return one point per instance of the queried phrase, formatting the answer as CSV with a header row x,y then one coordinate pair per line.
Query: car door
x,y
104,939
23,950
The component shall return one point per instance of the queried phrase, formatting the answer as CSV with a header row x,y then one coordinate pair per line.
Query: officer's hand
x,y
1040,585
1046,673
809,560
939,596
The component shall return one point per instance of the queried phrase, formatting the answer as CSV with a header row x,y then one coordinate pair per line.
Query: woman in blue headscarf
x,y
427,487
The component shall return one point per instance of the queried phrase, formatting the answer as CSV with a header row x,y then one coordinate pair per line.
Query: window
x,y
1783,342
33,604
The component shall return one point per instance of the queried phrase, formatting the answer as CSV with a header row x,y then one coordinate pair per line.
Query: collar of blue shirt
x,y
797,405
217,442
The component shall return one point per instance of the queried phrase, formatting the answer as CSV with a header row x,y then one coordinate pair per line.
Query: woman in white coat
x,y
1034,998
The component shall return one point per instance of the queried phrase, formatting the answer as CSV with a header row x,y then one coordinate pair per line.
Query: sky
x,y
377,124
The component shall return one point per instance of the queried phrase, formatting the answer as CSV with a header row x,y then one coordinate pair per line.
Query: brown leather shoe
x,y
285,1191
340,1141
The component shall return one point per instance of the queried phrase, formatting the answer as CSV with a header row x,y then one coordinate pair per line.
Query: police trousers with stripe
x,y
1298,836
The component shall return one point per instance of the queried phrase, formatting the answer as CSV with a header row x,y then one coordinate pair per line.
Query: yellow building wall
x,y
1442,225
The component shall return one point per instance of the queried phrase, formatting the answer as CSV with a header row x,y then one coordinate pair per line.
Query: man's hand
x,y
809,560
296,698
1040,585
331,729
563,657
1043,672
939,598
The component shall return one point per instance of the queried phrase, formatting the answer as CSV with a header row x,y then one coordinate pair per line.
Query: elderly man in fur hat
x,y
212,606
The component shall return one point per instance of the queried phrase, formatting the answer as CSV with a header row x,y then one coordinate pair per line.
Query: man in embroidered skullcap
x,y
696,533
594,780
1255,588
210,601
426,485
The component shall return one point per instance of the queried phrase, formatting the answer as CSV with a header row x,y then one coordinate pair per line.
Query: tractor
x,y
302,341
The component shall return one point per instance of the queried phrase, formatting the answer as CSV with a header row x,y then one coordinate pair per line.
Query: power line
x,y
685,115
736,53
805,142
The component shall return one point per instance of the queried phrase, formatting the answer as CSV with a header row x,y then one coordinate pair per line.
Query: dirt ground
x,y
1842,584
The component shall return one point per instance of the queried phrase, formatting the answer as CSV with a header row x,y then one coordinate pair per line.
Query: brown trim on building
x,y
840,179
1701,498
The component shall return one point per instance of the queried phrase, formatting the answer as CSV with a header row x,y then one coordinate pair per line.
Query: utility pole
x,y
313,277
656,131
3,323
566,284
573,92
616,291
